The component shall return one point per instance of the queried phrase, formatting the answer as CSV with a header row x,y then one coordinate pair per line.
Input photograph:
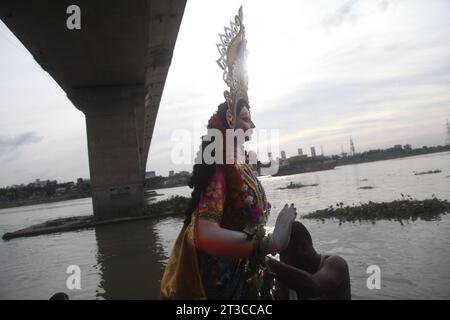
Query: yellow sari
x,y
182,279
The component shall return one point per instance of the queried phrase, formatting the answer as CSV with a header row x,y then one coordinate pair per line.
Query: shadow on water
x,y
130,260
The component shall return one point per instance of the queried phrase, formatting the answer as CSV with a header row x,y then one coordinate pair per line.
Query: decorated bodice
x,y
214,204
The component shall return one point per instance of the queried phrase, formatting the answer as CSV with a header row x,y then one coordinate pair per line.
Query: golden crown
x,y
233,56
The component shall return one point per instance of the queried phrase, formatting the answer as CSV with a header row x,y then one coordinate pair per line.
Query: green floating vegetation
x,y
427,172
173,205
399,210
292,185
366,188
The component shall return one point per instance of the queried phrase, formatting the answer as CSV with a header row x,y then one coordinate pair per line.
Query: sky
x,y
319,72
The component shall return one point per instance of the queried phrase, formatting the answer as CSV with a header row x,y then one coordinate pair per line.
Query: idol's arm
x,y
213,239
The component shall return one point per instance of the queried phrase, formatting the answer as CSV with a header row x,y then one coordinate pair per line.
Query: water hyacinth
x,y
293,185
427,172
400,210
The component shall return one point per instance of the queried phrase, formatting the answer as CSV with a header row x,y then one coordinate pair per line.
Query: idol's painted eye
x,y
245,118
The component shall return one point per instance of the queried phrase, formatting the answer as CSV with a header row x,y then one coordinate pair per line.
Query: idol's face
x,y
244,120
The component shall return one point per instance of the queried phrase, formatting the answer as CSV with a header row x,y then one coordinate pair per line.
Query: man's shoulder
x,y
335,261
332,275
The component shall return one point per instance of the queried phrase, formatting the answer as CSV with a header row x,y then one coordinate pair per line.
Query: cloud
x,y
15,142
353,10
384,4
344,13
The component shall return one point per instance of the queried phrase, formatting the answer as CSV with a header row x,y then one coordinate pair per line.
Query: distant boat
x,y
302,164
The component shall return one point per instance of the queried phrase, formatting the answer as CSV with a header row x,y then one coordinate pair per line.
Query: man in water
x,y
305,274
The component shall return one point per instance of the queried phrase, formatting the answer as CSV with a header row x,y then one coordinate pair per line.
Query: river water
x,y
125,261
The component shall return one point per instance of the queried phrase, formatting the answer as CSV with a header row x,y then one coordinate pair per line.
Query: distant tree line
x,y
385,154
41,191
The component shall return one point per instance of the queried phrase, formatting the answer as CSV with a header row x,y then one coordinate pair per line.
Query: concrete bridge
x,y
113,68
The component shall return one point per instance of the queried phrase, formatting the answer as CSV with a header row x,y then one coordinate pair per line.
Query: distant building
x,y
40,184
300,151
183,174
83,184
171,173
283,155
150,174
177,179
269,154
313,151
398,147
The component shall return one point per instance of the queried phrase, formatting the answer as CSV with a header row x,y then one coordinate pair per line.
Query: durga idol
x,y
221,248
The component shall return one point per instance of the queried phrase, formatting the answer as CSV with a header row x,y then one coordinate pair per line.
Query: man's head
x,y
300,249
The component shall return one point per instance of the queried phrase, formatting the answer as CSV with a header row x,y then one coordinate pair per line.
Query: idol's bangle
x,y
254,241
264,245
249,236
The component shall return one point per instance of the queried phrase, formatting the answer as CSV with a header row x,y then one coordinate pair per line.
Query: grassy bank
x,y
171,207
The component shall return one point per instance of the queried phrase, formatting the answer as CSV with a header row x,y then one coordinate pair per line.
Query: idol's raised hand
x,y
279,239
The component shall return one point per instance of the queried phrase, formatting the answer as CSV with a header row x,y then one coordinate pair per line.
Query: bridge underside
x,y
113,69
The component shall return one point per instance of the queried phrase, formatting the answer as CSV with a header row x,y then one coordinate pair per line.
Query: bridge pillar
x,y
115,147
